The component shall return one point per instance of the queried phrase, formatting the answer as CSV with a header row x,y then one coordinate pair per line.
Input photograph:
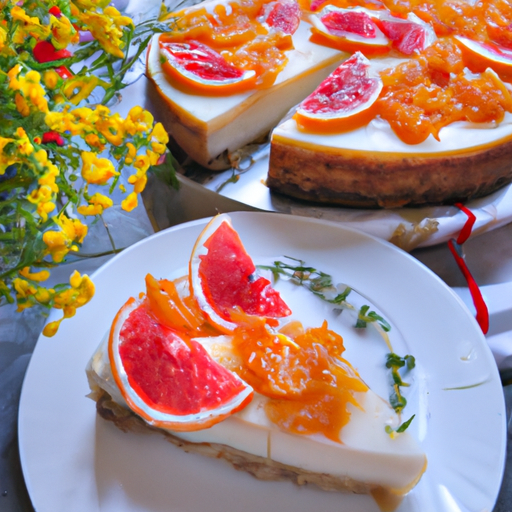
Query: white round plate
x,y
75,461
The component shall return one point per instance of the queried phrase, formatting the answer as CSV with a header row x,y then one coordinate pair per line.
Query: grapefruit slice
x,y
407,36
222,278
283,15
200,69
344,101
349,30
479,56
167,378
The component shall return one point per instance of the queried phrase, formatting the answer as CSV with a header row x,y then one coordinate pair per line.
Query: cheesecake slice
x,y
210,127
366,460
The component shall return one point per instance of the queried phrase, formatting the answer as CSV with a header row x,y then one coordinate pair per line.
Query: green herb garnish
x,y
321,285
402,428
394,362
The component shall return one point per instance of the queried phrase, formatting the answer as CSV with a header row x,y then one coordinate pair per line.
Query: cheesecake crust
x,y
366,179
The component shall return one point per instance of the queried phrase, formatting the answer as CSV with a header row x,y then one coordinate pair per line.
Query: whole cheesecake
x,y
372,168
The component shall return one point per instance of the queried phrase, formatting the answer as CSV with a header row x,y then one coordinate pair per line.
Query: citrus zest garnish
x,y
306,378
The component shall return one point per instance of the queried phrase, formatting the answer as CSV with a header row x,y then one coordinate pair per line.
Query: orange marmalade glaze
x,y
432,90
235,30
302,372
483,20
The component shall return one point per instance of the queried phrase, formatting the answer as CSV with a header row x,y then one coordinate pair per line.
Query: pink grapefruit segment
x,y
344,101
167,378
202,70
350,30
283,15
222,278
408,36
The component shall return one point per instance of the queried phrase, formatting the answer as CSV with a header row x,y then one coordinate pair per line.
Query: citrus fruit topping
x,y
167,378
304,375
222,278
434,89
282,15
349,30
340,23
344,101
196,66
407,36
479,56
174,311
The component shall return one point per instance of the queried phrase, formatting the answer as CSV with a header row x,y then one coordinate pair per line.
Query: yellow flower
x,y
59,243
97,204
90,4
12,75
63,32
23,145
80,293
43,198
106,28
31,94
112,128
3,38
138,181
132,153
159,139
51,79
94,141
79,88
97,171
142,162
40,276
48,178
27,26
23,288
138,120
130,202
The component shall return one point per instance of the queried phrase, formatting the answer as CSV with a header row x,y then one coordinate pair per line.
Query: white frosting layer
x,y
367,453
378,136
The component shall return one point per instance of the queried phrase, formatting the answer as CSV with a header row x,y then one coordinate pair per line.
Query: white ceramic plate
x,y
75,461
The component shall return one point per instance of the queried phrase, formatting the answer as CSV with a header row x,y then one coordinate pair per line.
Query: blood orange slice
x,y
349,30
283,15
201,69
407,36
344,101
167,378
479,56
222,278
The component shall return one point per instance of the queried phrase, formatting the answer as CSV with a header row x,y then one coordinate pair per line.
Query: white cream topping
x,y
367,453
378,136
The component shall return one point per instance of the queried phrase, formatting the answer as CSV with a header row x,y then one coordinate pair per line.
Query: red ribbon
x,y
455,246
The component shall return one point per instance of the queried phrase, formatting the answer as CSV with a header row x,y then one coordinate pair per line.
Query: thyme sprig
x,y
321,285
395,363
